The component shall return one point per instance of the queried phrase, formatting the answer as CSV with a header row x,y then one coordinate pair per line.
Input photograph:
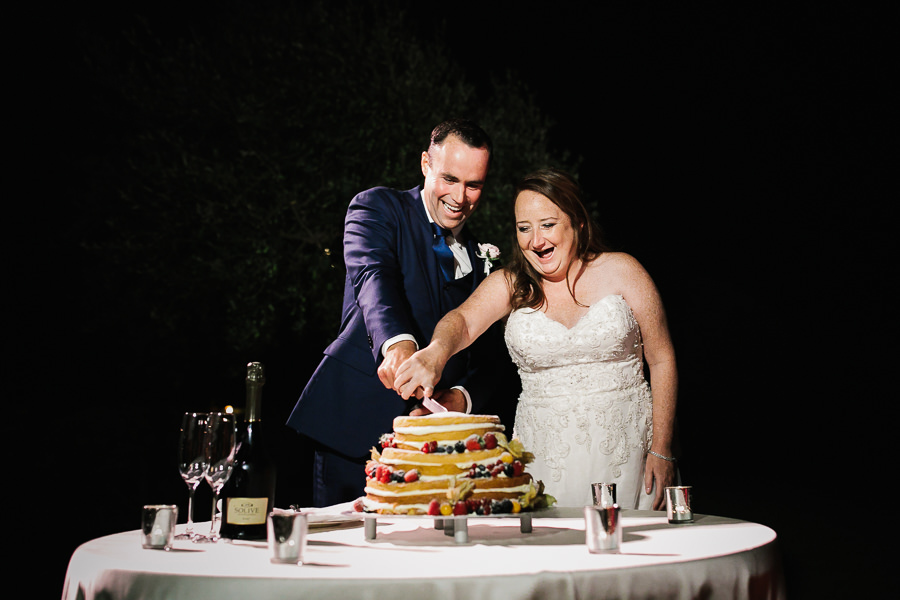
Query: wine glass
x,y
220,447
192,462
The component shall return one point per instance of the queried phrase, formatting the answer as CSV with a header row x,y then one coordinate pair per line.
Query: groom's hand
x,y
393,358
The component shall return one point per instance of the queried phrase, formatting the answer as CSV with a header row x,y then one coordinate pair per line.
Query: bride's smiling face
x,y
545,235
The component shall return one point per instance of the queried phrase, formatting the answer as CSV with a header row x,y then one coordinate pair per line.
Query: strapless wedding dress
x,y
585,407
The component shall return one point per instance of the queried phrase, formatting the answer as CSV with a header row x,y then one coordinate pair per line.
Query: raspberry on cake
x,y
450,463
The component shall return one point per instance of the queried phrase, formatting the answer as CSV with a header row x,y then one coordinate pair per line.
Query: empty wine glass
x,y
220,441
192,462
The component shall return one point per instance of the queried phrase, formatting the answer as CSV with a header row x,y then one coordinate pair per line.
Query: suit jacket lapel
x,y
422,237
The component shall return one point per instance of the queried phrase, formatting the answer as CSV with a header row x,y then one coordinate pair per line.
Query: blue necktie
x,y
444,254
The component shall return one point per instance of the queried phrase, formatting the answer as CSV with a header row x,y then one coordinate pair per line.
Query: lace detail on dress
x,y
584,397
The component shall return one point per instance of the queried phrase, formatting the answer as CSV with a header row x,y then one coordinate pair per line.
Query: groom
x,y
409,260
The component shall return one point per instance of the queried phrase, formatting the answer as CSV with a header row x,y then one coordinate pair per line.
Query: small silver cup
x,y
603,529
286,535
158,525
604,494
678,504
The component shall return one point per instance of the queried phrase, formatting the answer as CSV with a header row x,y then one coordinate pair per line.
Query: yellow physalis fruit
x,y
506,457
451,488
376,455
446,509
514,447
516,507
530,495
517,449
459,490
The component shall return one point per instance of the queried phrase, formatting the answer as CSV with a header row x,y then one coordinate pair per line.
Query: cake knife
x,y
433,405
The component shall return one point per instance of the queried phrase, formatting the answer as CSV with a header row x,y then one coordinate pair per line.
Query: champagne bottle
x,y
249,494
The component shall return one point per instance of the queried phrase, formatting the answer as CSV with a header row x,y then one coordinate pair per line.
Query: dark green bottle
x,y
249,493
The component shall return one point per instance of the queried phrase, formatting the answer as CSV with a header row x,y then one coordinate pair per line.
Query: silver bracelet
x,y
668,458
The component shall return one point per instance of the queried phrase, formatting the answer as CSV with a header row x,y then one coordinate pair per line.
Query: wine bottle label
x,y
246,511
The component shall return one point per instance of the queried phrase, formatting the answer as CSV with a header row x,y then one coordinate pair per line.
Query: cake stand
x,y
456,527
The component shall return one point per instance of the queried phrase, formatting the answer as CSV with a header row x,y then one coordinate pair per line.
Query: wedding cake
x,y
450,464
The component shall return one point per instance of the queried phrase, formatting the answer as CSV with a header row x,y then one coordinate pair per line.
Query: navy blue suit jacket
x,y
393,286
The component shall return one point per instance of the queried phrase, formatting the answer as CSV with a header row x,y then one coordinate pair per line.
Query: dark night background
x,y
733,150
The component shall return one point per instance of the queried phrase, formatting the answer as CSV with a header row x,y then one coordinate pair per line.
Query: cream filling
x,y
372,505
521,489
433,429
460,465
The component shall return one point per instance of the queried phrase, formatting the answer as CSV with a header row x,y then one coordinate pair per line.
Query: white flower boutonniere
x,y
489,253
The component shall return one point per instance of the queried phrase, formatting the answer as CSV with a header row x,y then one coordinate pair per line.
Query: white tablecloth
x,y
714,557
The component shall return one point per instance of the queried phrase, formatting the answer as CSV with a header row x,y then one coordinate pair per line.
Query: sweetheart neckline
x,y
582,317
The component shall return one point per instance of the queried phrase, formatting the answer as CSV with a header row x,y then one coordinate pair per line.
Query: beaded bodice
x,y
584,395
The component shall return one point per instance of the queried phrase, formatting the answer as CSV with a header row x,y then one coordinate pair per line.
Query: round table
x,y
713,557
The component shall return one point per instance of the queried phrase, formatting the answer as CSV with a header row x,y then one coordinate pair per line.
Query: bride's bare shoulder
x,y
617,262
619,273
499,280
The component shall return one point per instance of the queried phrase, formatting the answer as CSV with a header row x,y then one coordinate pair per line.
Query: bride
x,y
581,323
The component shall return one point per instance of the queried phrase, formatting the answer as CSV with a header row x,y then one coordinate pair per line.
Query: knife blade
x,y
433,405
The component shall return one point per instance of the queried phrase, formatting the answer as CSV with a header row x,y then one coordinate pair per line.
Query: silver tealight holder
x,y
603,529
286,531
678,504
604,494
158,526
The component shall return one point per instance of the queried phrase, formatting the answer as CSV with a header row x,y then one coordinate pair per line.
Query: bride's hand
x,y
663,472
417,375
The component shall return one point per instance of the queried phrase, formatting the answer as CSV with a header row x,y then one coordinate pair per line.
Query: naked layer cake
x,y
450,464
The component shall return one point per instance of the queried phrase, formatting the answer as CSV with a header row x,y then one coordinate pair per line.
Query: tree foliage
x,y
228,145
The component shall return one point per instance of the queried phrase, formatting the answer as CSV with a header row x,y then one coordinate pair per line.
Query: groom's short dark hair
x,y
468,131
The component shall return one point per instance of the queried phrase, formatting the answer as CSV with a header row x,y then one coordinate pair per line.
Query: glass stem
x,y
212,520
190,516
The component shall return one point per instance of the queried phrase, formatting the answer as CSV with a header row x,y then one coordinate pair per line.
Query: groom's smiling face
x,y
454,177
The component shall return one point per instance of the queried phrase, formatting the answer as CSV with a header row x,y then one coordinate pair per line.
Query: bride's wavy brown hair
x,y
563,191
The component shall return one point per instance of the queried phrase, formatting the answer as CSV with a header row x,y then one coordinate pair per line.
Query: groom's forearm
x,y
370,256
